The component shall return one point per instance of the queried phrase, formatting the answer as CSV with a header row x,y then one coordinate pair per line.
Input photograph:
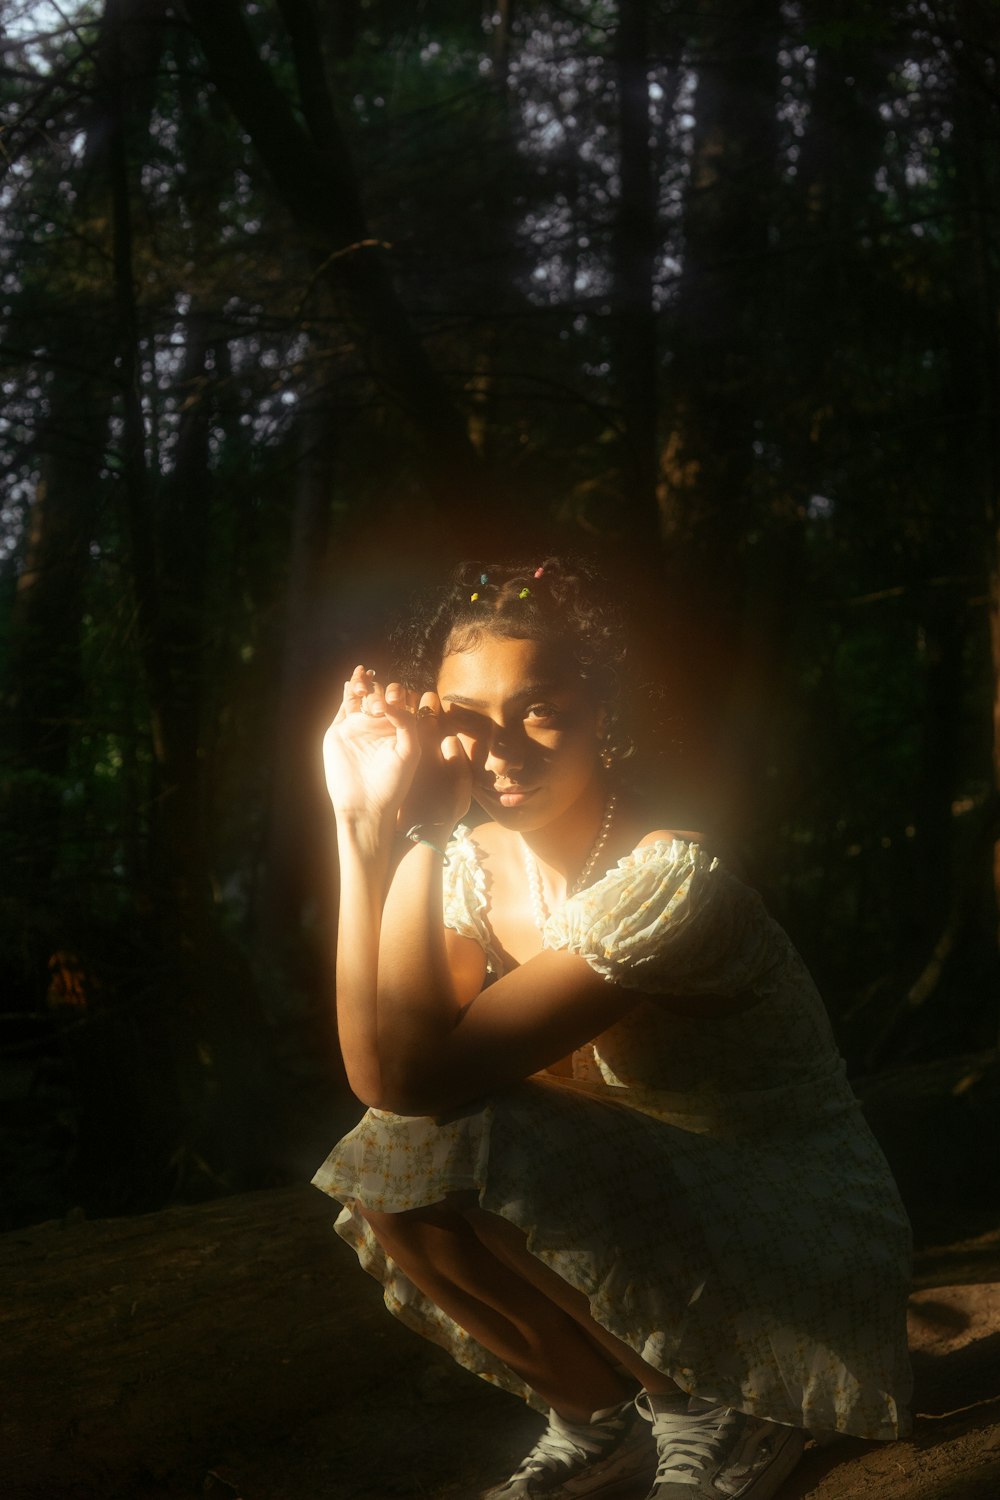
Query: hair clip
x,y
539,571
473,598
484,578
524,594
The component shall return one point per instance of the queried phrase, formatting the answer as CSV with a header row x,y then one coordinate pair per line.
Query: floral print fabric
x,y
707,1181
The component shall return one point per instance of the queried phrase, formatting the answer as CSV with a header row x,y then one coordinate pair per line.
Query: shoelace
x,y
687,1441
565,1444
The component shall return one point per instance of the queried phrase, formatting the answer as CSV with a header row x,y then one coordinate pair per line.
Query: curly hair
x,y
562,602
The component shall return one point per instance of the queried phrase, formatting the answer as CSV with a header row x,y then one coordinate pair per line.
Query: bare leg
x,y
441,1253
510,1245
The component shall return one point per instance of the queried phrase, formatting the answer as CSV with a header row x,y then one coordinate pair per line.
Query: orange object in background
x,y
68,981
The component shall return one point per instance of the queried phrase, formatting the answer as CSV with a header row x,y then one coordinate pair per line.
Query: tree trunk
x,y
715,403
635,240
312,172
298,861
186,1035
44,688
977,358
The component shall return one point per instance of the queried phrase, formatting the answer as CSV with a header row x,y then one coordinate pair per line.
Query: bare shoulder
x,y
668,835
721,851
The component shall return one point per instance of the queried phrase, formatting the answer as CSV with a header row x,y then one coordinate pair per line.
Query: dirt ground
x,y
450,1438
232,1349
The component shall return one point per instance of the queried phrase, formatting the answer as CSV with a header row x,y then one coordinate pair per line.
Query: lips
x,y
510,793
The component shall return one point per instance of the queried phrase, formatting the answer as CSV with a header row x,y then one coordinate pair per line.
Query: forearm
x,y
396,1003
394,994
365,856
417,1008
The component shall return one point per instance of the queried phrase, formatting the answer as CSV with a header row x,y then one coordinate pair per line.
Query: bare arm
x,y
364,866
417,1032
418,1036
442,1042
372,753
533,1017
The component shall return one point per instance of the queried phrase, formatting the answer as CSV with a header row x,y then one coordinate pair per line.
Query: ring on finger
x,y
426,712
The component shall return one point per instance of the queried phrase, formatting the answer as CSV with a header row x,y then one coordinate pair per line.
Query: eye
x,y
463,720
542,713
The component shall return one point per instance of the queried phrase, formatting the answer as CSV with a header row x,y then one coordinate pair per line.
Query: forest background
x,y
302,301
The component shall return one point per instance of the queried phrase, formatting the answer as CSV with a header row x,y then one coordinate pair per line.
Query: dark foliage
x,y
299,304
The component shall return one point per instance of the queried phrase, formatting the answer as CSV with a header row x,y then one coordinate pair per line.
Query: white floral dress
x,y
707,1181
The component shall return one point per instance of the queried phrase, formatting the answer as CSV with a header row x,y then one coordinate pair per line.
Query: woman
x,y
609,1141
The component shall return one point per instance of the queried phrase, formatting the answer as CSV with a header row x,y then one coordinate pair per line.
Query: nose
x,y
505,751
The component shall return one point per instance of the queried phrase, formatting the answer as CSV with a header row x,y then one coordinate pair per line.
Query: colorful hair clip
x,y
539,571
484,578
524,594
473,598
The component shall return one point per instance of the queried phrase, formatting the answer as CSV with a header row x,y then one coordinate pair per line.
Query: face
x,y
530,729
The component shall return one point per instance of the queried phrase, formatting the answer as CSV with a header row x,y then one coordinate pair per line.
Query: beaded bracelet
x,y
416,836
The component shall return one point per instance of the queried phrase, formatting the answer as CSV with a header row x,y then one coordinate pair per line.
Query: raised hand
x,y
388,759
370,751
442,785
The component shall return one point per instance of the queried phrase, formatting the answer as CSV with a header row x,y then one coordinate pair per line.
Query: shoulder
x,y
669,918
664,879
673,841
670,836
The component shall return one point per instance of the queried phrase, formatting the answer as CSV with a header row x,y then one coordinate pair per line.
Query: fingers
x,y
398,713
367,693
355,689
430,722
452,749
364,694
429,707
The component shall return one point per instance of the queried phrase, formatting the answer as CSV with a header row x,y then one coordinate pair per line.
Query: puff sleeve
x,y
465,896
669,920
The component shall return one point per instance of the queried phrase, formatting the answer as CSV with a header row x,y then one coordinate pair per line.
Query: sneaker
x,y
711,1452
601,1458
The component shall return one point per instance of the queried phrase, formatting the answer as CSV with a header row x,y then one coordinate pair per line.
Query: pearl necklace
x,y
539,911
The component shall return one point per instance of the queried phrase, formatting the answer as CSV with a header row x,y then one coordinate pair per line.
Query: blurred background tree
x,y
302,301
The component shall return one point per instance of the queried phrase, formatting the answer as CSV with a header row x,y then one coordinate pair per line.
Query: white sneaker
x,y
711,1452
583,1459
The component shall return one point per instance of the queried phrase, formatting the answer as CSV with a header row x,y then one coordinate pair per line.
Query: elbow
x,y
395,1095
408,1099
407,1106
396,1085
366,1085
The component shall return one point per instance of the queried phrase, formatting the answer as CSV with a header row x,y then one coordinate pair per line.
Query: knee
x,y
383,1225
408,1226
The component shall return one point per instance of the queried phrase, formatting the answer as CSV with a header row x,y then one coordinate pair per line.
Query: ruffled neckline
x,y
478,890
637,859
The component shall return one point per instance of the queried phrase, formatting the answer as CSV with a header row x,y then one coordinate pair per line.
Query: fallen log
x,y
137,1354
132,1347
